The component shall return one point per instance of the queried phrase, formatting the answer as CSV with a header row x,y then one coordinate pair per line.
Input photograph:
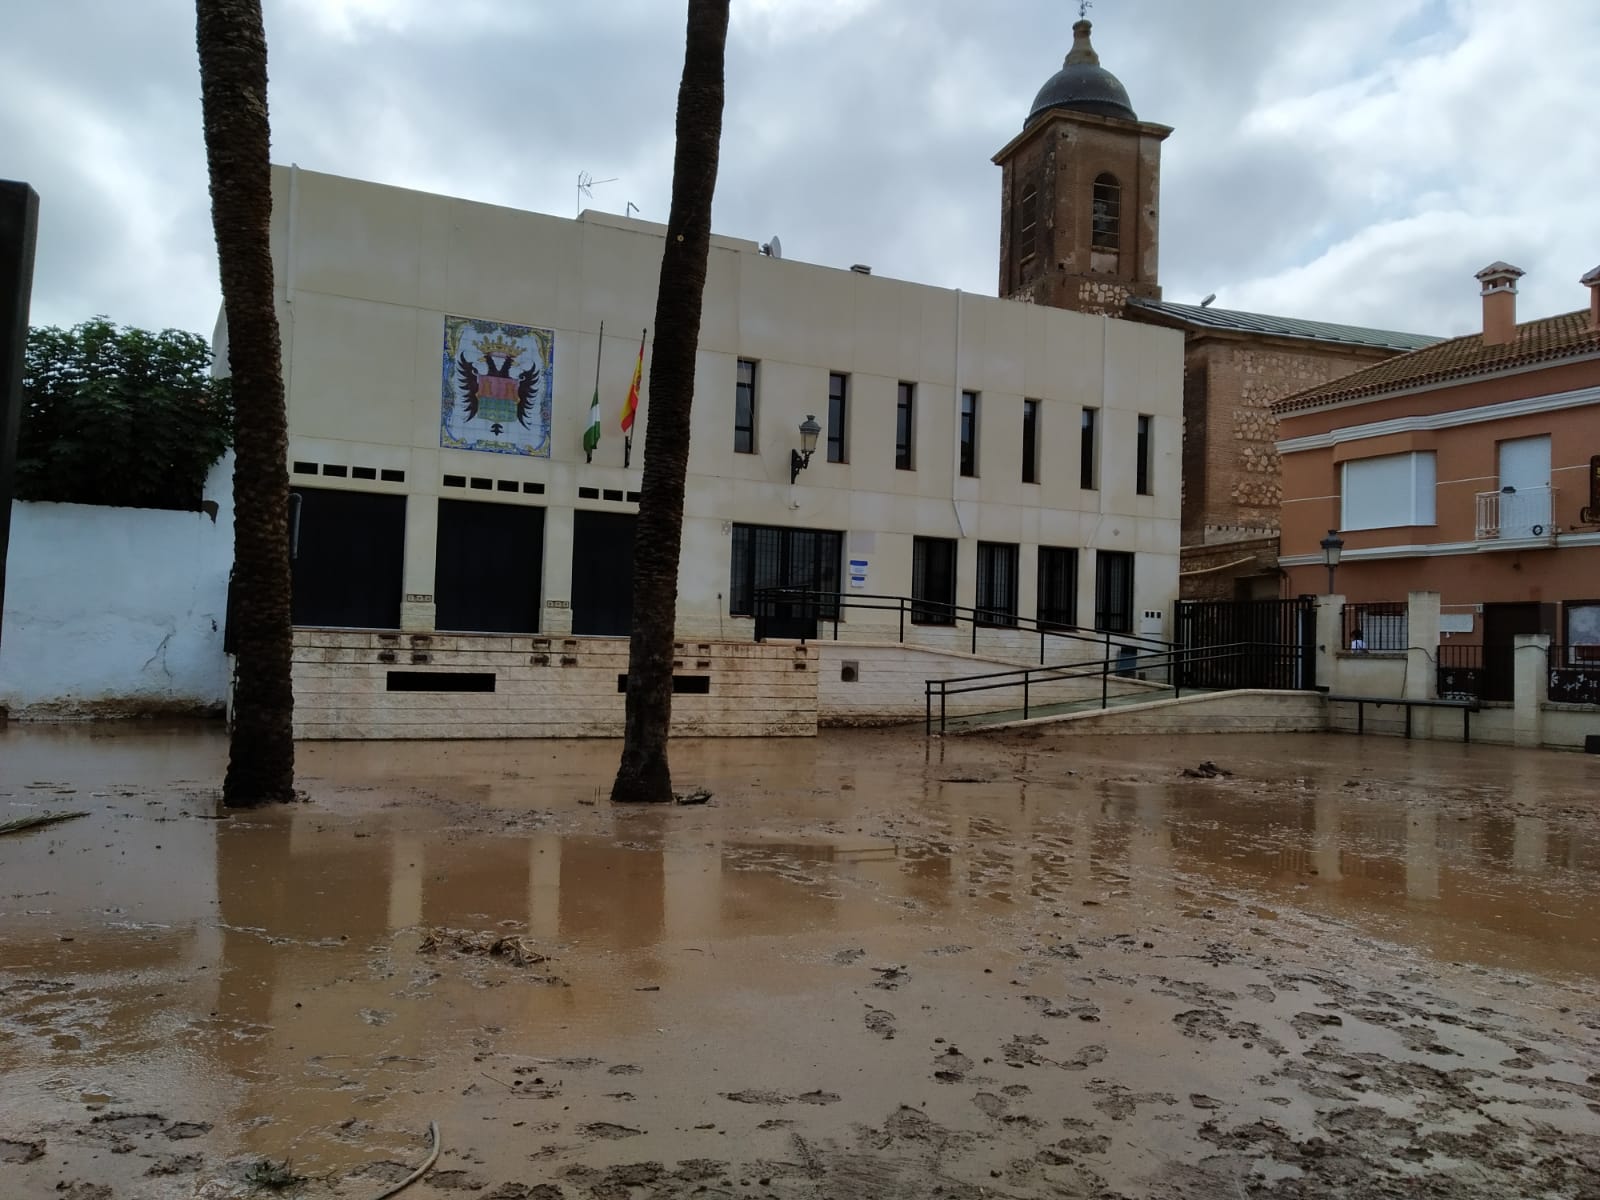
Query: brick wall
x,y
544,686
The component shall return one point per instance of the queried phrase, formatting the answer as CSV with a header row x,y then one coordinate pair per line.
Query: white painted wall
x,y
113,611
366,274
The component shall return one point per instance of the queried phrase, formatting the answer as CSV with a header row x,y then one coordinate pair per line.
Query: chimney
x,y
1592,282
1499,281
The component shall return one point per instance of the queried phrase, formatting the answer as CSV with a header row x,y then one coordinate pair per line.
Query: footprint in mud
x,y
1085,1058
1083,1009
1020,1052
606,1131
756,1096
182,1130
951,1066
989,1105
881,1022
176,1164
1307,1023
457,1181
20,1152
890,978
1120,1103
1262,993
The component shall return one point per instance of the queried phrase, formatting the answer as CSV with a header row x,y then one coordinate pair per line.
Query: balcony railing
x,y
1516,514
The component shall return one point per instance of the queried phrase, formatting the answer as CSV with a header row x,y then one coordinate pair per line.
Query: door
x,y
487,567
602,573
348,558
1525,487
1501,625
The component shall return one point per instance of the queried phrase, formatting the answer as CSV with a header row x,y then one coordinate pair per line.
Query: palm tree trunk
x,y
233,88
643,776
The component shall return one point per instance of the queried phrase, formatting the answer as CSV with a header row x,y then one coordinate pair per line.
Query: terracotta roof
x,y
1546,340
1195,316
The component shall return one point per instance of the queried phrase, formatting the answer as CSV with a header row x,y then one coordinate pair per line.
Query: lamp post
x,y
801,458
1332,548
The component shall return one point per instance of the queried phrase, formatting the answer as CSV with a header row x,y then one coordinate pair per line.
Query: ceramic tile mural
x,y
496,387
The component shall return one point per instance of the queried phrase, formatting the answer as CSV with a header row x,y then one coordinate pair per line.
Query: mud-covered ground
x,y
871,966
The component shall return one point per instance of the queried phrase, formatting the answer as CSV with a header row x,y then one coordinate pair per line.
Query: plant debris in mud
x,y
1207,770
514,948
38,821
264,1175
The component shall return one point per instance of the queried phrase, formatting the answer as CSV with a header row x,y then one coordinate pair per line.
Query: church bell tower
x,y
1080,193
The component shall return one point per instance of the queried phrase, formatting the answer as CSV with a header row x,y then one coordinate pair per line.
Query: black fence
x,y
1272,643
1460,671
1575,674
799,613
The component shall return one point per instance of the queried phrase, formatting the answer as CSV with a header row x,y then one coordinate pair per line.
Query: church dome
x,y
1082,85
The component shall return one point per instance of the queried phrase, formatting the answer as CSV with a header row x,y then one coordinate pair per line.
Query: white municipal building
x,y
462,567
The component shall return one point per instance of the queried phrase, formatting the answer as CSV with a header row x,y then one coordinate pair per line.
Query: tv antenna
x,y
772,249
631,209
586,184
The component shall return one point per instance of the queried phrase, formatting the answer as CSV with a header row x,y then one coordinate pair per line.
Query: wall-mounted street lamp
x,y
801,458
1332,548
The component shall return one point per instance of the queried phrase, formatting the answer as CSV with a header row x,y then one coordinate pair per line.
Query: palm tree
x,y
643,776
233,90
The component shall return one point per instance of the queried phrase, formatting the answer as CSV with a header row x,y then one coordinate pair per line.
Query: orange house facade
x,y
1470,468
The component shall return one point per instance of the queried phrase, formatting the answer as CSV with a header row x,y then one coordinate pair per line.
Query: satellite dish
x,y
772,249
1206,303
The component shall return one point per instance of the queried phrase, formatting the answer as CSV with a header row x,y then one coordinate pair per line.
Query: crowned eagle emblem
x,y
493,393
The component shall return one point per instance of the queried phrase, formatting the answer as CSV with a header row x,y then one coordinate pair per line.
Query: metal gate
x,y
1248,643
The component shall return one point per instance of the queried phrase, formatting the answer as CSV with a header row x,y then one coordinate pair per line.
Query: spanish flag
x,y
631,405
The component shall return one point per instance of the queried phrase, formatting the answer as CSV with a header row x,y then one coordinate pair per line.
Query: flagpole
x,y
588,454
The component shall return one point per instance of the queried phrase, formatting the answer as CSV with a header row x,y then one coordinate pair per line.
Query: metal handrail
x,y
827,605
1028,677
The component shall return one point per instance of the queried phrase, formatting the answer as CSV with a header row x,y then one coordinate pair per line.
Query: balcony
x,y
1521,515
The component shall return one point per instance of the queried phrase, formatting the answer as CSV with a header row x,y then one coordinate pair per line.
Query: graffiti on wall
x,y
496,387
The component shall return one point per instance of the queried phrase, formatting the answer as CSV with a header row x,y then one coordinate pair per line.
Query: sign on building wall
x,y
496,387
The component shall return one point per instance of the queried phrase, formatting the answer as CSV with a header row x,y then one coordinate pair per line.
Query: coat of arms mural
x,y
496,387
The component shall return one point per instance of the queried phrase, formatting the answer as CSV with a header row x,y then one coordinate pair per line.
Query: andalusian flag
x,y
591,435
631,406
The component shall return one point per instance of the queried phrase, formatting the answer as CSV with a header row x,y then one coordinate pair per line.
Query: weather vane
x,y
1083,9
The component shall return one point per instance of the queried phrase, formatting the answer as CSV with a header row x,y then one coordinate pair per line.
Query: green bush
x,y
120,416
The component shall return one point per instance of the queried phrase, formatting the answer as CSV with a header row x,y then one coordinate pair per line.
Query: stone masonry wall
x,y
544,686
1240,483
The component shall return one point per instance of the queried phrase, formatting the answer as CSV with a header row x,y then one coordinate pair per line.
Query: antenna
x,y
772,249
631,209
586,182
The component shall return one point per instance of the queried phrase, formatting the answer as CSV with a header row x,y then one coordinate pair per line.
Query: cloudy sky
x,y
1351,160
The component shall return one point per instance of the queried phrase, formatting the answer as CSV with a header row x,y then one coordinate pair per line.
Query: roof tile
x,y
1548,339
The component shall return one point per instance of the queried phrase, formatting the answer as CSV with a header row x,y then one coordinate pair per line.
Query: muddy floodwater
x,y
870,966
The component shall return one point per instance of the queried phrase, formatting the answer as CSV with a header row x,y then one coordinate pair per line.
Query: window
x,y
744,409
1107,214
1387,492
905,428
1113,591
1028,223
1030,441
838,393
997,584
1141,471
933,581
765,557
1058,587
1087,451
969,433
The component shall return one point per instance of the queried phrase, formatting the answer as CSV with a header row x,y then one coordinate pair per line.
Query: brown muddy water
x,y
871,966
